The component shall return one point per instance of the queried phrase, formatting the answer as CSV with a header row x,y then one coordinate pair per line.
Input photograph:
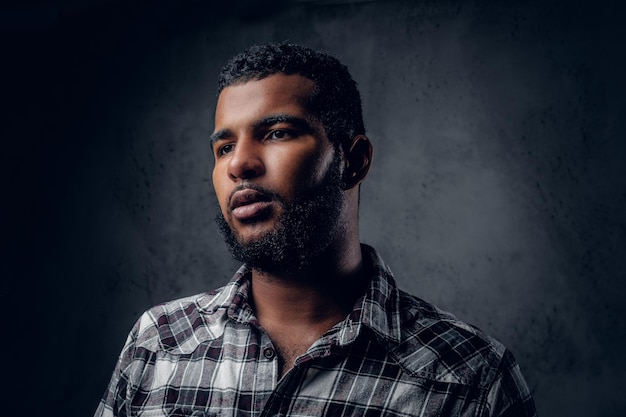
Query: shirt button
x,y
269,353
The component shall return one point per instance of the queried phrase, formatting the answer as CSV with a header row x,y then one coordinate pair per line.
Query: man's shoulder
x,y
436,345
178,326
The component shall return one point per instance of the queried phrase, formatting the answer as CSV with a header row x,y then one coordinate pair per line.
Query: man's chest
x,y
243,380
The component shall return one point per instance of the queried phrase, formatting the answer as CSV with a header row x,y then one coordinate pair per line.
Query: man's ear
x,y
358,159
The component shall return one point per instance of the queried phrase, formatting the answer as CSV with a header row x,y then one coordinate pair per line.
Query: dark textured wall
x,y
498,189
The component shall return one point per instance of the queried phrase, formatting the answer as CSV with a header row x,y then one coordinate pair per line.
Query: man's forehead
x,y
278,93
278,85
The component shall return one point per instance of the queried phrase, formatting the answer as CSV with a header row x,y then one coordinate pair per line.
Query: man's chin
x,y
253,233
249,243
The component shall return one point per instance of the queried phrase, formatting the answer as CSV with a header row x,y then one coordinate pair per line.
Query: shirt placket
x,y
280,401
266,373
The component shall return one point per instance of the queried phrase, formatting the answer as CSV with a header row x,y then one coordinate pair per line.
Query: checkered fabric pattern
x,y
394,355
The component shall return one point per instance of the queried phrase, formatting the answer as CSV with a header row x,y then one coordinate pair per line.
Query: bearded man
x,y
312,324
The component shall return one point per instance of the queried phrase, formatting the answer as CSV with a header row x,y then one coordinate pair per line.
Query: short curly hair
x,y
335,101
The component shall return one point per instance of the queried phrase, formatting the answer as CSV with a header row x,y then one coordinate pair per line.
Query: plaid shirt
x,y
394,355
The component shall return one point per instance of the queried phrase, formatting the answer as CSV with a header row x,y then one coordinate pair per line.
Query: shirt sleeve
x,y
509,395
113,403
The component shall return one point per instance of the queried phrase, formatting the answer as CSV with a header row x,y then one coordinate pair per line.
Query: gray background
x,y
497,192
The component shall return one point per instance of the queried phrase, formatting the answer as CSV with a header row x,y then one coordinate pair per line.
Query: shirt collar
x,y
232,298
379,308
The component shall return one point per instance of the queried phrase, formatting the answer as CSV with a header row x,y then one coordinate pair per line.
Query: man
x,y
312,324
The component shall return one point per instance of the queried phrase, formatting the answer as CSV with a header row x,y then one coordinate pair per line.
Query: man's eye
x,y
224,149
278,134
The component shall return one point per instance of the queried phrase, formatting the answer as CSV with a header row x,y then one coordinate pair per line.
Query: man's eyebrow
x,y
219,135
300,123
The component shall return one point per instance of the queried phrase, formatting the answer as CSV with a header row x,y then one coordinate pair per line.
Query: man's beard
x,y
306,228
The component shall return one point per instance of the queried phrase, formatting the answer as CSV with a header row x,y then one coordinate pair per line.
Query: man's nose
x,y
246,161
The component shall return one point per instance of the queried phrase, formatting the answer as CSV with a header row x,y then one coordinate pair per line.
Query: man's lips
x,y
248,203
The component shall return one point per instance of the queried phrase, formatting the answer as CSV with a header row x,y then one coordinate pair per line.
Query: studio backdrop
x,y
497,190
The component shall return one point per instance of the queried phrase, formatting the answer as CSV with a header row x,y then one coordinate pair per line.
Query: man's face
x,y
277,177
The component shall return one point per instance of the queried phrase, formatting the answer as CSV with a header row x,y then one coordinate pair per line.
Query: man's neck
x,y
325,290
